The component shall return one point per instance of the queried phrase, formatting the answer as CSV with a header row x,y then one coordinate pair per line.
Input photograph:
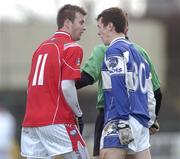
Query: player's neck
x,y
116,36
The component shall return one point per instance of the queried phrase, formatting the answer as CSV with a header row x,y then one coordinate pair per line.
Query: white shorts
x,y
139,132
52,140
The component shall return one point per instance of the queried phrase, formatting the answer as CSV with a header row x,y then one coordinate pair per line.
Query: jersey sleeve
x,y
71,62
116,64
93,64
151,103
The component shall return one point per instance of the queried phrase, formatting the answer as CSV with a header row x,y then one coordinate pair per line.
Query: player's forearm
x,y
85,80
158,97
70,95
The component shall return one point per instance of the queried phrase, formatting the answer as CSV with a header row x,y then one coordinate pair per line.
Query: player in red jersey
x,y
49,126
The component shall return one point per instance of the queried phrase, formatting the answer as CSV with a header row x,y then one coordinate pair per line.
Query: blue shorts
x,y
110,136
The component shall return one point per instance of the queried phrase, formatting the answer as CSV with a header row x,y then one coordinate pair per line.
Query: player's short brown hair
x,y
68,12
116,16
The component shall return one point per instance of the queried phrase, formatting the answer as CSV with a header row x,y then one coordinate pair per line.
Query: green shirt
x,y
93,68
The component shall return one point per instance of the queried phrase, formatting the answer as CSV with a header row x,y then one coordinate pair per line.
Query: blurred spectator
x,y
7,133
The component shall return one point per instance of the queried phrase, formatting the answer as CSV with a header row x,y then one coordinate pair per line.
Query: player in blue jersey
x,y
129,106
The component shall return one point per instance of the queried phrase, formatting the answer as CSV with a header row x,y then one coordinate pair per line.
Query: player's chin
x,y
80,34
77,38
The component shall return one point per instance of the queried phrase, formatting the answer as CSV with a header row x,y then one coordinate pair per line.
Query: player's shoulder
x,y
118,48
142,51
52,42
72,45
139,48
64,43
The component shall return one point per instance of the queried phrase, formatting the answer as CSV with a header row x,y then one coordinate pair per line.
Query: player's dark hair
x,y
116,16
68,12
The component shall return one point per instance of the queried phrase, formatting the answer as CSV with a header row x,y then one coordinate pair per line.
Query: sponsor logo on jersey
x,y
113,62
115,65
73,132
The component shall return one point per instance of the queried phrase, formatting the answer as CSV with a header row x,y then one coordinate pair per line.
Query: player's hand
x,y
80,124
125,133
154,128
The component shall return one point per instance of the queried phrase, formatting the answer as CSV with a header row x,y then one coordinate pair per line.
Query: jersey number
x,y
139,78
38,79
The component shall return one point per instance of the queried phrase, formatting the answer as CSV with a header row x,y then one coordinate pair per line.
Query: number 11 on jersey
x,y
38,78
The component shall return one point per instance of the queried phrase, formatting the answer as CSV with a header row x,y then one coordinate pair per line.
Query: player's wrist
x,y
80,117
79,114
80,123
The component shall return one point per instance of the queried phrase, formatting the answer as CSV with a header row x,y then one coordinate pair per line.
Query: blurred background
x,y
153,24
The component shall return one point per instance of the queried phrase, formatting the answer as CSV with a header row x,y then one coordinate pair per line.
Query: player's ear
x,y
126,30
68,23
110,26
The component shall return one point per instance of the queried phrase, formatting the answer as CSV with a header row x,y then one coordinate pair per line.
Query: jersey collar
x,y
117,39
63,33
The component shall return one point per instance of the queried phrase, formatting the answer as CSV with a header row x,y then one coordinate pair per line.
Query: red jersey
x,y
56,59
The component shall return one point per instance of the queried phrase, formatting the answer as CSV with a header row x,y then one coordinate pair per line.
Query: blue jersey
x,y
126,80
